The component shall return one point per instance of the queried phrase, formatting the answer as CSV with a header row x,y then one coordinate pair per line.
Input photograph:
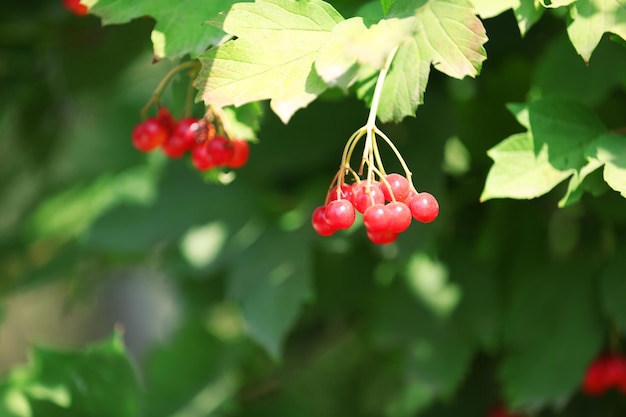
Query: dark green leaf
x,y
271,281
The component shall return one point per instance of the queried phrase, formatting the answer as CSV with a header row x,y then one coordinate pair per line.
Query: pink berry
x,y
424,207
220,149
364,198
201,157
321,226
382,238
340,214
400,216
399,187
345,193
377,218
149,134
182,138
241,153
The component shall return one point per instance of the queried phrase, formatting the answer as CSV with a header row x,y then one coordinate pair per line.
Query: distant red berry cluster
x,y
387,206
605,372
75,7
176,138
501,411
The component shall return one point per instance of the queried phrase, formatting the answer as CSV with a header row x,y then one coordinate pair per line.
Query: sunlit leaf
x,y
272,57
593,18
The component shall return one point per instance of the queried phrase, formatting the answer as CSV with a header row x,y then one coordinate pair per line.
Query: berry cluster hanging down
x,y
198,136
388,207
388,202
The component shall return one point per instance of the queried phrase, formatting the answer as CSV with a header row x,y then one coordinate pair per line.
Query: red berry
x,y
605,372
382,238
400,216
399,187
201,157
321,226
149,134
182,138
344,193
364,198
166,119
340,214
75,7
377,218
241,152
424,207
220,149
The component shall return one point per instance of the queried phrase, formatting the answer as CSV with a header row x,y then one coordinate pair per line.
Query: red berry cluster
x,y
176,138
383,221
605,372
75,7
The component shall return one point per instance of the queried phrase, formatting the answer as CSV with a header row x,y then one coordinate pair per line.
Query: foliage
x,y
499,300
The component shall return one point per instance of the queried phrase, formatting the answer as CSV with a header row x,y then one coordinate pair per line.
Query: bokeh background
x,y
228,301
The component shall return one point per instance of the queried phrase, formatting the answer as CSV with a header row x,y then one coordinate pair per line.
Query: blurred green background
x,y
231,305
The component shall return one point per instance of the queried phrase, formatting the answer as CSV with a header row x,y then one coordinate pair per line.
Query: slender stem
x,y
370,126
159,89
378,89
405,167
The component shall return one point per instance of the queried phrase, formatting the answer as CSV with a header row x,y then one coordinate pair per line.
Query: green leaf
x,y
203,364
271,283
386,4
242,122
610,150
491,8
272,57
541,323
334,62
449,32
444,33
613,288
177,31
527,12
593,18
527,165
587,84
82,382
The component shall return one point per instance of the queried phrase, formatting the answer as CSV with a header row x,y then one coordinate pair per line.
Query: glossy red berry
x,y
605,372
75,7
220,149
241,153
320,225
377,218
399,187
182,138
382,238
363,197
340,214
400,216
344,192
201,157
149,134
424,207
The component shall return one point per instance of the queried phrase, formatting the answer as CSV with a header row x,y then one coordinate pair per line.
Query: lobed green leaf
x,y
527,165
272,57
